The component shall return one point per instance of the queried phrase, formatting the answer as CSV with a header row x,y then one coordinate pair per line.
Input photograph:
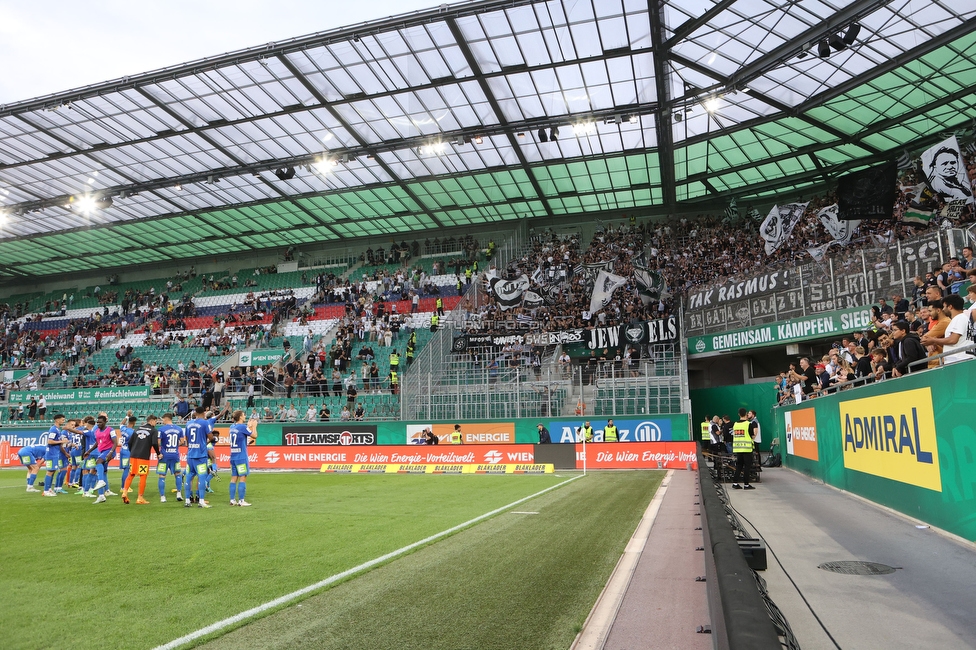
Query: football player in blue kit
x,y
240,436
88,472
126,429
170,436
199,432
54,455
76,447
32,457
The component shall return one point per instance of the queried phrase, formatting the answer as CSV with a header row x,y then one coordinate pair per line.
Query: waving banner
x,y
650,284
841,231
779,223
606,283
945,172
508,293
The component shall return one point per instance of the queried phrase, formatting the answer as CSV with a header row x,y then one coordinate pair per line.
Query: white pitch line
x,y
254,611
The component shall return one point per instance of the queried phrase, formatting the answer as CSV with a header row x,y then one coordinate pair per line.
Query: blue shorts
x,y
76,459
106,456
90,461
27,459
53,464
197,467
239,467
172,465
123,460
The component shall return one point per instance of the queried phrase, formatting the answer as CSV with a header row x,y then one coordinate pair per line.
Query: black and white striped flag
x,y
904,160
731,212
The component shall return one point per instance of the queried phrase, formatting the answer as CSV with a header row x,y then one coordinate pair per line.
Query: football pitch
x,y
116,576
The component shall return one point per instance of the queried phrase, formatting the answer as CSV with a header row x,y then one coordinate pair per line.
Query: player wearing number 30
x,y
169,442
240,436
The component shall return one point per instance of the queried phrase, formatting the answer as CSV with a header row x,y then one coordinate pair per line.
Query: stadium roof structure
x,y
473,113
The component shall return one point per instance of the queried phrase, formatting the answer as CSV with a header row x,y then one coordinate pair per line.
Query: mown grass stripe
x,y
282,600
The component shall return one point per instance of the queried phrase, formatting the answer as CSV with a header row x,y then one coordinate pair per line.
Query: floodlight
x,y
584,128
711,104
554,133
823,50
478,139
542,136
852,33
837,42
285,174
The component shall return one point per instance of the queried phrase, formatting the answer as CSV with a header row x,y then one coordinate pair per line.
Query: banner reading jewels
x,y
664,330
82,394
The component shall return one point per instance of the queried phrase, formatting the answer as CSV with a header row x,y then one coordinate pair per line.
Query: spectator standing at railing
x,y
956,333
908,348
938,322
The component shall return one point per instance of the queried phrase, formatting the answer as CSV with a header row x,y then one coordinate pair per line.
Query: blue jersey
x,y
238,441
77,444
196,437
89,438
54,436
124,439
169,440
37,451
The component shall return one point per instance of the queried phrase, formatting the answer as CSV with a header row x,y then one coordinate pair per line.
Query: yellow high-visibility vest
x,y
741,440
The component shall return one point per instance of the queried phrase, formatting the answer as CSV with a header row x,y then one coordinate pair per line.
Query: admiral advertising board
x,y
893,436
339,434
646,430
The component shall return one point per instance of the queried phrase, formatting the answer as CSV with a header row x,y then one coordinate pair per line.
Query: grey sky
x,y
48,46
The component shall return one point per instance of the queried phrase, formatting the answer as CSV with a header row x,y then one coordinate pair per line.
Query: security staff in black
x,y
440,307
743,433
610,432
544,437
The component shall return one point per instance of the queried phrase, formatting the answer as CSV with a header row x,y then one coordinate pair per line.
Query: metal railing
x,y
788,290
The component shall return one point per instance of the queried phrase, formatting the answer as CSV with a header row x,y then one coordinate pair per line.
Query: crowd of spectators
x,y
902,334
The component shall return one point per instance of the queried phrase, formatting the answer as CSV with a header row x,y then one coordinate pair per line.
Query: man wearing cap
x,y
908,348
544,438
141,443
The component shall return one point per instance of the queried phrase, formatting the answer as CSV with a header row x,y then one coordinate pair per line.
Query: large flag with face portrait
x,y
868,194
945,172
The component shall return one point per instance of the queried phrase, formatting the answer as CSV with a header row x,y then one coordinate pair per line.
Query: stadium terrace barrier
x,y
797,290
739,620
908,444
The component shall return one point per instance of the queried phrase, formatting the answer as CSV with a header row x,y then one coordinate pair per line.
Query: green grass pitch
x,y
116,576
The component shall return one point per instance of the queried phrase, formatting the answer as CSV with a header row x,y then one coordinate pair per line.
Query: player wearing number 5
x,y
141,443
241,435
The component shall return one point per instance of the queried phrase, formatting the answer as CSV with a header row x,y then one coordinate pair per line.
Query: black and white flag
x,y
508,293
606,283
779,224
841,231
650,285
945,171
731,212
905,160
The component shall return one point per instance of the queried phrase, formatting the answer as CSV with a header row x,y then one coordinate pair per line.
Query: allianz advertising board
x,y
648,430
893,436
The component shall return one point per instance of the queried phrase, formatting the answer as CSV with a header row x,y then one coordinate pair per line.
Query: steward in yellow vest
x,y
610,432
743,433
456,438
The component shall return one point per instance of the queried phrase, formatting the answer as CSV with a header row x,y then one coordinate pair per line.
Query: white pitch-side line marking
x,y
254,611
